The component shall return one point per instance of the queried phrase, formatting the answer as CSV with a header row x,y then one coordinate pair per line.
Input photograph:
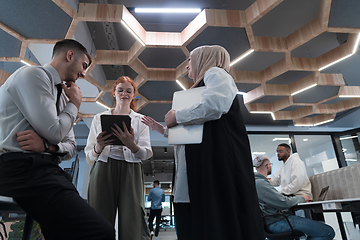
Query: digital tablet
x,y
108,121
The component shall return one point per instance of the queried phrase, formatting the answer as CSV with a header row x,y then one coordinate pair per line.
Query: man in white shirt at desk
x,y
272,202
292,174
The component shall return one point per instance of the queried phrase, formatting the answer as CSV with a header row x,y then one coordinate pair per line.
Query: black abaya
x,y
223,199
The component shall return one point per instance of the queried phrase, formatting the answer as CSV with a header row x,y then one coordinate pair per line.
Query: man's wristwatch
x,y
46,145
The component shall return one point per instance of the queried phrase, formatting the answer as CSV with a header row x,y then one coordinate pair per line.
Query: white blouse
x,y
141,138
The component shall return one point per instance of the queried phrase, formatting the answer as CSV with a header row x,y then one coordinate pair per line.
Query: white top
x,y
292,177
28,102
216,100
142,138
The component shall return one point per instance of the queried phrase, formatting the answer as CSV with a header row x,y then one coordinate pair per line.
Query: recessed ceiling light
x,y
351,160
167,10
258,152
280,139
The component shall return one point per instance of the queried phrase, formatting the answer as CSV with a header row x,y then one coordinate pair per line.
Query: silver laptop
x,y
323,193
186,134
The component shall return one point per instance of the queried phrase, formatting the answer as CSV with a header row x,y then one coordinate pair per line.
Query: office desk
x,y
337,206
8,205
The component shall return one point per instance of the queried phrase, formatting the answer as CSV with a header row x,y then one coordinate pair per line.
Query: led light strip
x,y
320,69
349,96
303,125
25,62
182,86
266,112
132,32
330,120
242,56
343,138
356,44
103,105
304,89
353,52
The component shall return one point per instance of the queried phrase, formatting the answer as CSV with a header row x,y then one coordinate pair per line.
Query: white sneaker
x,y
156,238
152,234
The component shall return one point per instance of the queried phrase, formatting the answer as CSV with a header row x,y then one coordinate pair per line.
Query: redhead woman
x,y
214,189
116,178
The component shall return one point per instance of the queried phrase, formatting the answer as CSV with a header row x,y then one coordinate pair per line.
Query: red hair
x,y
123,79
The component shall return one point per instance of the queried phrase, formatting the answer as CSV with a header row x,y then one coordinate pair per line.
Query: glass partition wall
x,y
316,151
351,148
266,144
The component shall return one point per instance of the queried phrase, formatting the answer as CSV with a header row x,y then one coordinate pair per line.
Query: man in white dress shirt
x,y
292,174
36,134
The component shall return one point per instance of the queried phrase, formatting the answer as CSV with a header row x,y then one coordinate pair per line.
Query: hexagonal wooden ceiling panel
x,y
282,47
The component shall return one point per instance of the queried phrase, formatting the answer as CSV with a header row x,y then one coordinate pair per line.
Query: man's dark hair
x,y
157,182
70,44
285,145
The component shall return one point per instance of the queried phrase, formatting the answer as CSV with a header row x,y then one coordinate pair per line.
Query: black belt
x,y
20,155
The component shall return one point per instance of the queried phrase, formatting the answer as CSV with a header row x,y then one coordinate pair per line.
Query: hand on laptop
x,y
170,118
307,198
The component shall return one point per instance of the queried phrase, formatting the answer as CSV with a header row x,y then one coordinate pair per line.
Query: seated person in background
x,y
271,202
292,174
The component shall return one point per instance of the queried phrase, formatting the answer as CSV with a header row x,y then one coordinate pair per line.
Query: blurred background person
x,y
156,196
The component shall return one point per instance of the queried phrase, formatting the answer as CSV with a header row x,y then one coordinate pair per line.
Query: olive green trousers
x,y
119,185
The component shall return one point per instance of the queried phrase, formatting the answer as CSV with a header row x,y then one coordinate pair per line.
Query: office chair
x,y
291,235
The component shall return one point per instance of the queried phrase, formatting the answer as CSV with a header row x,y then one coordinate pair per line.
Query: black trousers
x,y
183,221
44,191
155,213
